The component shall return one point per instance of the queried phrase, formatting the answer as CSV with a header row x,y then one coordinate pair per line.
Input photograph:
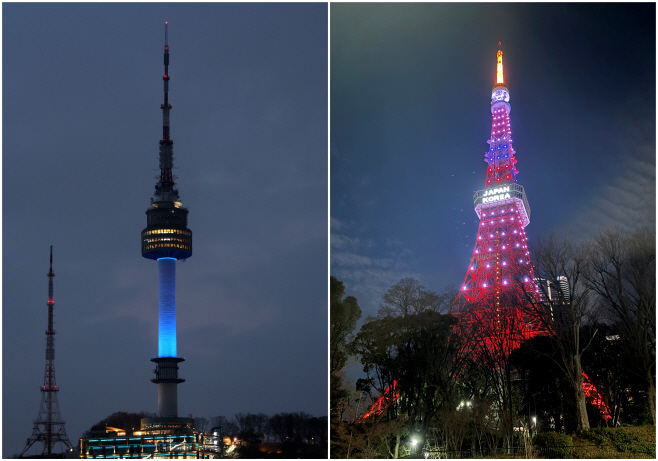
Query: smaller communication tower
x,y
49,426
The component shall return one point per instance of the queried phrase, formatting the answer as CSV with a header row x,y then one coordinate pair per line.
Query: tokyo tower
x,y
500,273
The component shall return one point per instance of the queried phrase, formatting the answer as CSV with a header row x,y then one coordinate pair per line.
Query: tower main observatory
x,y
500,273
166,239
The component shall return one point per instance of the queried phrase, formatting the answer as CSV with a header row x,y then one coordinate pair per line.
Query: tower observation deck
x,y
166,239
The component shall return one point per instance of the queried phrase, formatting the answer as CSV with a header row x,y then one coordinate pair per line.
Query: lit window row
x,y
165,239
166,245
168,231
112,442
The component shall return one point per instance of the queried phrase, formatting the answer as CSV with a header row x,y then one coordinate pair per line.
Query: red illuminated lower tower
x,y
500,272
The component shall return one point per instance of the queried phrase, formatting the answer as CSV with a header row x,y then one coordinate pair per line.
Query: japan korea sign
x,y
496,194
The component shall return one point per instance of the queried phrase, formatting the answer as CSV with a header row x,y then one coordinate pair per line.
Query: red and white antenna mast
x,y
164,189
49,426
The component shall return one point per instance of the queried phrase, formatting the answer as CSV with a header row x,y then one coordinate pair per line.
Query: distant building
x,y
550,290
157,438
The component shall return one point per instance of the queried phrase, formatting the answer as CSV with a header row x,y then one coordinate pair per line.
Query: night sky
x,y
410,117
82,86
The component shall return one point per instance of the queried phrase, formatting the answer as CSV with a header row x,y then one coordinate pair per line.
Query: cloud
x,y
628,201
392,242
343,242
336,224
369,284
350,259
367,275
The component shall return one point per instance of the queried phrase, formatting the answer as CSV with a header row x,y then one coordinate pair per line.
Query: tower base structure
x,y
156,438
167,400
166,377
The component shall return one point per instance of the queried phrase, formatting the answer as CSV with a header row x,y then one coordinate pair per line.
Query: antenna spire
x,y
50,273
164,189
166,80
499,67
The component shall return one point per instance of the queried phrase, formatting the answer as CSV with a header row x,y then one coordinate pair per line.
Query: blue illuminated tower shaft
x,y
166,239
167,308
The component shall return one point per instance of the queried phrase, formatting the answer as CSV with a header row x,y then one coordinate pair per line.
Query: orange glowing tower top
x,y
499,67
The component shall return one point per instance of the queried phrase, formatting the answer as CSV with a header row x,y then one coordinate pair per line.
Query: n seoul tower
x,y
166,239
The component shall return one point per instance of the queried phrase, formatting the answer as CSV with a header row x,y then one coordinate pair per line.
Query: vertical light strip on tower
x,y
49,427
166,239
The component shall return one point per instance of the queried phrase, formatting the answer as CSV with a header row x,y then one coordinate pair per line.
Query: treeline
x,y
477,381
299,435
121,420
298,428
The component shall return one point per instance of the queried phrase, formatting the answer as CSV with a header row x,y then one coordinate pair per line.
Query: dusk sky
x,y
82,86
410,117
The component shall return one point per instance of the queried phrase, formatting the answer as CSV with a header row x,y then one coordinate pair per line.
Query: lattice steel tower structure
x,y
166,239
49,426
500,275
500,272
